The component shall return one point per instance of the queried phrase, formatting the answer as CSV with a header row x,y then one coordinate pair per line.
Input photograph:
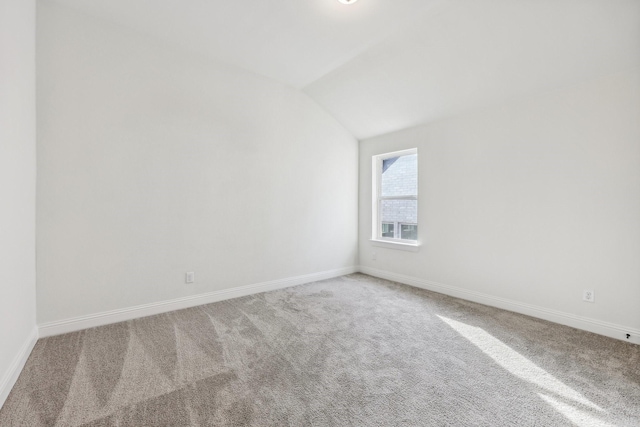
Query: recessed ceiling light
x,y
347,1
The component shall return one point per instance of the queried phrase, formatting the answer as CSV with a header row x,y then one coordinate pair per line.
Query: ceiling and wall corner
x,y
380,66
474,54
292,41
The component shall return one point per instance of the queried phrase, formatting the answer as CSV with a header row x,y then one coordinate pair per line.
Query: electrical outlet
x,y
374,256
588,295
190,277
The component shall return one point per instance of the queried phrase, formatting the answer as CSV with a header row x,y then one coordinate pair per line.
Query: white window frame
x,y
376,231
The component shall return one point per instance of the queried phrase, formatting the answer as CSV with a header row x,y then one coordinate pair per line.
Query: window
x,y
395,196
409,231
387,229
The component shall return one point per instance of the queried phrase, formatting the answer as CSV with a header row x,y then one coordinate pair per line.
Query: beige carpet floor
x,y
350,351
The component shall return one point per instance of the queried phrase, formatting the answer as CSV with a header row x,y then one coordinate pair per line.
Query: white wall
x,y
152,163
532,202
17,185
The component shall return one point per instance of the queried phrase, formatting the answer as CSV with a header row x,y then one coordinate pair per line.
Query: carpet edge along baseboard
x,y
64,326
13,372
595,326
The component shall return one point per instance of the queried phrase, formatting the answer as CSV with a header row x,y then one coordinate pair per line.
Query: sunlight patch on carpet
x,y
573,414
517,364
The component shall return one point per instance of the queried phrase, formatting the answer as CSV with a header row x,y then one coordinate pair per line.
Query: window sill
x,y
410,247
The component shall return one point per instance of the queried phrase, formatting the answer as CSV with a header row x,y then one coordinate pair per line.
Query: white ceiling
x,y
382,65
469,54
293,41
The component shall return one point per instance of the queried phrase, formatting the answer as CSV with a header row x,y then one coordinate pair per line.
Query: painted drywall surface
x,y
17,178
533,201
153,162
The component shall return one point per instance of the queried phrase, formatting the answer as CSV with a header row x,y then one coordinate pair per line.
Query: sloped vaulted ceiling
x,y
467,54
380,66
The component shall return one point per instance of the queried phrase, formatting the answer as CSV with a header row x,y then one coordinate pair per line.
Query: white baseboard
x,y
113,316
11,375
591,325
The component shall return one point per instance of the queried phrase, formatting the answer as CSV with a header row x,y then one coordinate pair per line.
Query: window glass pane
x,y
409,231
405,211
387,229
400,176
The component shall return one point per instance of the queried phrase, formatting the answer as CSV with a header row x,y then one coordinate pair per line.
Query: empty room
x,y
320,213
